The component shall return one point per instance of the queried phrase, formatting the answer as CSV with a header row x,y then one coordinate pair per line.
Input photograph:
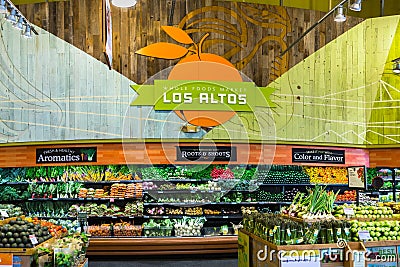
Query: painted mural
x,y
342,94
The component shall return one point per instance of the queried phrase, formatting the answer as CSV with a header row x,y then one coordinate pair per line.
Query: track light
x,y
20,24
3,8
123,3
356,5
12,16
396,66
340,16
27,33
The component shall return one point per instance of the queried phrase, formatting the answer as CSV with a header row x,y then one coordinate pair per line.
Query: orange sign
x,y
6,260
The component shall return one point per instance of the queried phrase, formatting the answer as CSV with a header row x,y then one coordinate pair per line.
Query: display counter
x,y
256,252
163,246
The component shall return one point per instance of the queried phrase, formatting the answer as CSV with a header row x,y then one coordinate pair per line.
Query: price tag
x,y
160,192
348,211
364,235
33,239
225,217
82,215
111,200
4,213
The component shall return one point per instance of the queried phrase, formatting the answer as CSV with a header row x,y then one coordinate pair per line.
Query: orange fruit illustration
x,y
197,66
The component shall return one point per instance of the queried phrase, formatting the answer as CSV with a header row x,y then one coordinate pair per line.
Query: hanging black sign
x,y
307,155
66,155
206,153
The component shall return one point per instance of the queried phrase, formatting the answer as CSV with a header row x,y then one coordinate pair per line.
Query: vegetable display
x,y
327,175
188,226
158,228
364,212
283,231
283,175
317,204
16,232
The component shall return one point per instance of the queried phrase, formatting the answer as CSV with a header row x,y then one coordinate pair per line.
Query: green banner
x,y
203,95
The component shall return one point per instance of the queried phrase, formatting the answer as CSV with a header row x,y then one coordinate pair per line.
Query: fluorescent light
x,y
123,3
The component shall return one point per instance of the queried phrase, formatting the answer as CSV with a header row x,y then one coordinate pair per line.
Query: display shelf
x,y
163,246
180,216
215,203
83,199
83,182
337,185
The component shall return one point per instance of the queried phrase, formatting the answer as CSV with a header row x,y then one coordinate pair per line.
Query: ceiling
x,y
370,8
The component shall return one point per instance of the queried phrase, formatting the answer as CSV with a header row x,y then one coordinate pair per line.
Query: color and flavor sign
x,y
305,155
66,155
206,153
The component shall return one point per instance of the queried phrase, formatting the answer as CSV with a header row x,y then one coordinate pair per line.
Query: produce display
x,y
283,175
11,210
98,210
57,190
378,230
222,173
158,228
316,204
15,232
194,211
100,230
188,226
348,195
327,175
283,231
174,211
126,229
68,251
363,212
134,190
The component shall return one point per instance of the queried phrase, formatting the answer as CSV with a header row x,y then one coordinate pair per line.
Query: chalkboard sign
x,y
66,155
206,153
308,155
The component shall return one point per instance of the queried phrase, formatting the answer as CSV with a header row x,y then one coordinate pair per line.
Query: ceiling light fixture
x,y
17,19
12,16
340,16
27,33
356,5
123,3
3,8
314,25
20,24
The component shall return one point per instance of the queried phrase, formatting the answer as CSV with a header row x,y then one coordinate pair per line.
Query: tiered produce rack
x,y
123,208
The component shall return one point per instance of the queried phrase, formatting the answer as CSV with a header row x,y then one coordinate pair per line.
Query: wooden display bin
x,y
256,252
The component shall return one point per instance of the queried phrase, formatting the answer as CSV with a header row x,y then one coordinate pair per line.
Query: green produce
x,y
316,204
12,210
378,230
283,174
158,227
364,212
16,233
188,226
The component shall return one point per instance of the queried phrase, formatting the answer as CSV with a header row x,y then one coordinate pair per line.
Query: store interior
x,y
199,133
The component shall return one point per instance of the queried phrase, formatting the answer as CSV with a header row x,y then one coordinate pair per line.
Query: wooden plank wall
x,y
79,22
165,153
